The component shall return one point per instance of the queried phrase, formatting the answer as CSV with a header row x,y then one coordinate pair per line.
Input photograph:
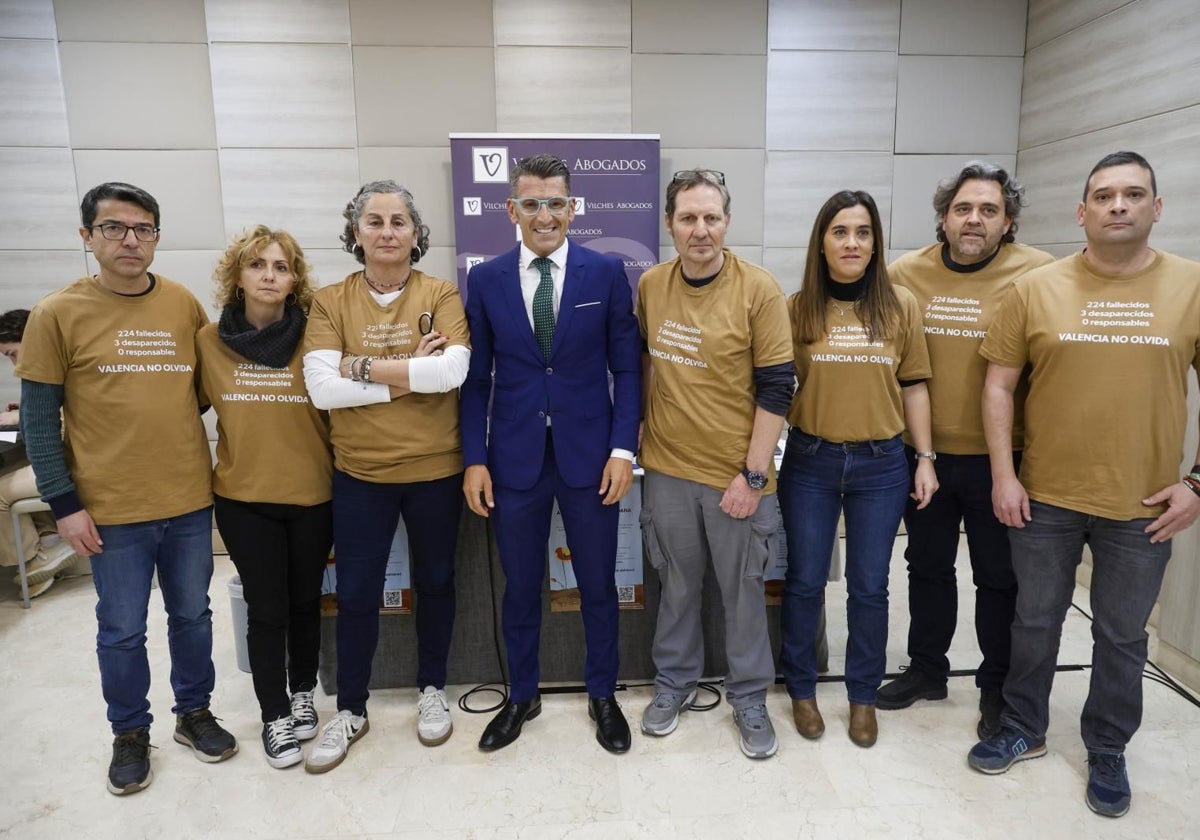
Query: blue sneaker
x,y
1008,746
1108,784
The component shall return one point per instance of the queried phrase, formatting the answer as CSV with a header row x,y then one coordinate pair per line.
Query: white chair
x,y
20,507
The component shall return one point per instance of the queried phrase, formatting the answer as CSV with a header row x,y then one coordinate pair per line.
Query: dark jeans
x,y
1127,573
964,496
180,549
280,552
818,480
365,516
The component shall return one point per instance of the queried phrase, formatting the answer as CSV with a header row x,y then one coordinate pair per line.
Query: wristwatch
x,y
931,455
756,480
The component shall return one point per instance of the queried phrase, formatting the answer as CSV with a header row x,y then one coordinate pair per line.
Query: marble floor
x,y
556,782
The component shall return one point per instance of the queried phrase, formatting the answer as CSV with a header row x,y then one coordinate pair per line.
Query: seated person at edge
x,y
47,555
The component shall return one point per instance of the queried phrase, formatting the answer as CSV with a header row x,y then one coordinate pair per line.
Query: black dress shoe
x,y
506,726
612,730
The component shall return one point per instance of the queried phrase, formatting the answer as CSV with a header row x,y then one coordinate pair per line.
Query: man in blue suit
x,y
553,319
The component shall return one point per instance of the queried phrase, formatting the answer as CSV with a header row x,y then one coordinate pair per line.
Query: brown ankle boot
x,y
807,716
864,729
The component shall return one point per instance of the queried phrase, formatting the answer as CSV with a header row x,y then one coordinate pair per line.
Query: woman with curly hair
x,y
272,481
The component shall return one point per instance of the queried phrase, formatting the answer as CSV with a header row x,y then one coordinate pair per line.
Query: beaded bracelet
x,y
1192,484
365,369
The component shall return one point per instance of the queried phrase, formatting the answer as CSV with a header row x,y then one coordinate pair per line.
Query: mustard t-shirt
x,y
272,443
1107,405
704,344
414,437
133,439
957,308
849,385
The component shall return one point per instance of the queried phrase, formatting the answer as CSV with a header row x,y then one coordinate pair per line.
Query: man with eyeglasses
x,y
553,319
719,353
130,481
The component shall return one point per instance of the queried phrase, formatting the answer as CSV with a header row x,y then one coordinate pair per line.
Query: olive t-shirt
x,y
133,440
957,308
411,438
849,385
1107,405
272,443
704,344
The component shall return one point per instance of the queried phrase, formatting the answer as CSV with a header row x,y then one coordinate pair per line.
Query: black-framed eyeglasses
x,y
425,323
705,174
557,205
116,231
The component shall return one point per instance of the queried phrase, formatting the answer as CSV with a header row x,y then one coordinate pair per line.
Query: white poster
x,y
564,591
397,582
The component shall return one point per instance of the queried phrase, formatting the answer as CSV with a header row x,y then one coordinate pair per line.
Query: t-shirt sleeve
x,y
450,319
321,332
1005,343
640,307
43,349
914,353
770,329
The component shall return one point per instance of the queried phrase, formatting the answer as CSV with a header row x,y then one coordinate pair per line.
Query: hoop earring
x,y
291,299
415,256
238,294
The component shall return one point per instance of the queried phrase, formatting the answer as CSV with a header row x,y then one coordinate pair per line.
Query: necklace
x,y
843,309
387,288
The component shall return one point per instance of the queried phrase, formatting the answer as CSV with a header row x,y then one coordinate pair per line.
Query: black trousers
x,y
280,552
964,496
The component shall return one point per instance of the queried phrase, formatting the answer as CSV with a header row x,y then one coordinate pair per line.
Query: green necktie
x,y
543,307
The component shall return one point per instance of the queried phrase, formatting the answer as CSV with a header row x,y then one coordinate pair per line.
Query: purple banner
x,y
614,183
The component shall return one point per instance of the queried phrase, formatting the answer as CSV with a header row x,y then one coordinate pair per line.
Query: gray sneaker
x,y
662,715
757,735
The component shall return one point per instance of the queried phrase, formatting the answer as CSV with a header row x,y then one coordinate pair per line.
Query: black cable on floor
x,y
490,687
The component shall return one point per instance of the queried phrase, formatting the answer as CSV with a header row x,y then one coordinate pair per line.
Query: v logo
x,y
491,162
472,205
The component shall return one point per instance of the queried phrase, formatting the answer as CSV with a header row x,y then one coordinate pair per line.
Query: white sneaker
x,y
280,744
336,738
433,717
46,564
304,715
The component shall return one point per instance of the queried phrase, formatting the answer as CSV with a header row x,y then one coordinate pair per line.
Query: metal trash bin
x,y
237,609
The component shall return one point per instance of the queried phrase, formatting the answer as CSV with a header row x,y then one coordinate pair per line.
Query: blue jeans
x,y
1127,573
181,549
365,516
818,480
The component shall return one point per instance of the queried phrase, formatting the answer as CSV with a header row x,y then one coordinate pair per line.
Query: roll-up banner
x,y
615,190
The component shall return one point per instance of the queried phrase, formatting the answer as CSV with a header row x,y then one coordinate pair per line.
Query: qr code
x,y
393,598
625,595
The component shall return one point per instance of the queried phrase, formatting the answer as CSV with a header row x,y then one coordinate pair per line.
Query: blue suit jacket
x,y
596,332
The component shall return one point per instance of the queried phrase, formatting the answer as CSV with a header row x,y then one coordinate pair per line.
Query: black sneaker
x,y
991,704
129,770
304,713
908,688
1108,784
280,744
200,731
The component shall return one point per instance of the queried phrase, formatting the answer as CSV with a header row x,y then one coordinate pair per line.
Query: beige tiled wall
x,y
240,111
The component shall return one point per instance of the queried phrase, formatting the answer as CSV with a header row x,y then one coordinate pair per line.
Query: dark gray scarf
x,y
273,346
